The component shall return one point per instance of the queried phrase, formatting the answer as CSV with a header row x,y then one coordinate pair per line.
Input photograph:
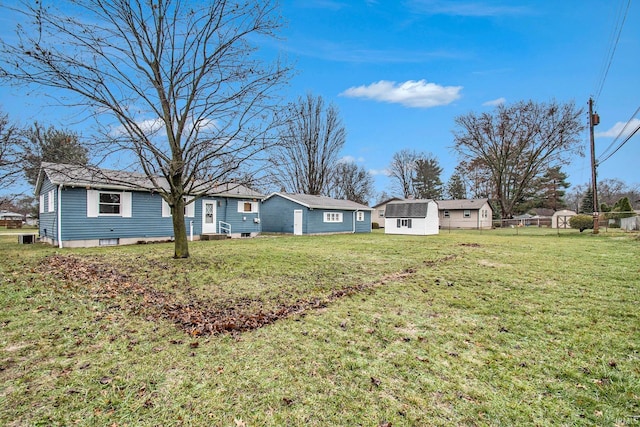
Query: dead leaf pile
x,y
197,317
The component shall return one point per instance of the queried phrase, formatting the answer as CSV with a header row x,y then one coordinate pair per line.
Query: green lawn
x,y
463,328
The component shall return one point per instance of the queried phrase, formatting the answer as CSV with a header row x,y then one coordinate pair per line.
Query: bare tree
x,y
402,169
309,147
42,144
351,182
518,143
176,84
9,152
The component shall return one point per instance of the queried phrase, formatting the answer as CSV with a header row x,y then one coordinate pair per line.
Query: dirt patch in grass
x,y
198,316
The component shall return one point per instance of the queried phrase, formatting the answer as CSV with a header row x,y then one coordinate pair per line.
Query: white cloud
x,y
617,128
383,172
412,93
351,159
495,102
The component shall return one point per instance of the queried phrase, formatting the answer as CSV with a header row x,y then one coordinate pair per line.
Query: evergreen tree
x,y
456,188
586,206
426,179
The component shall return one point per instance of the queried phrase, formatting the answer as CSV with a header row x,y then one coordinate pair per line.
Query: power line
x,y
622,132
623,142
613,44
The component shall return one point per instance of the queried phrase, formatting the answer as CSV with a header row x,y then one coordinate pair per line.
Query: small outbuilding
x,y
560,219
417,216
300,214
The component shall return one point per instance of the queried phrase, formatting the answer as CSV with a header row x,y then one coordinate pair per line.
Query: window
x,y
189,208
381,213
333,217
42,203
109,204
51,201
247,207
467,213
485,213
446,214
360,216
403,223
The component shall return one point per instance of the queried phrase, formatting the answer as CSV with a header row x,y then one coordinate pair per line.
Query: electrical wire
x,y
613,44
622,132
602,160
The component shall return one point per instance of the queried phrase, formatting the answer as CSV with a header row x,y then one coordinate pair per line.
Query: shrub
x,y
581,222
375,225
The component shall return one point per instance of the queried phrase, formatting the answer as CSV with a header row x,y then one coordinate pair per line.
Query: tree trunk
x,y
179,230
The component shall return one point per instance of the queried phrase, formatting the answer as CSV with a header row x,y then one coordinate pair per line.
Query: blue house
x,y
87,206
305,214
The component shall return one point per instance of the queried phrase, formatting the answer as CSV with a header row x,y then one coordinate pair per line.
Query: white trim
x,y
254,206
51,201
166,209
332,217
92,203
60,216
41,203
125,205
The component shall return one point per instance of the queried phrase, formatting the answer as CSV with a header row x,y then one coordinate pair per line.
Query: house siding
x,y
427,225
241,222
48,221
475,220
277,217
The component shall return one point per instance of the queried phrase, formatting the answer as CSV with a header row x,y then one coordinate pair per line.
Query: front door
x,y
297,222
209,217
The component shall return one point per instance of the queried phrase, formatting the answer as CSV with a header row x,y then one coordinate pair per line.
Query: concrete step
x,y
216,236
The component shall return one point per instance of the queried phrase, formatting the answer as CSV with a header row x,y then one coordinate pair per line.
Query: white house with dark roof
x,y
413,216
465,213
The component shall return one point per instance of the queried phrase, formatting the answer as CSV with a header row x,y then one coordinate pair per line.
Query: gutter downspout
x,y
354,221
59,213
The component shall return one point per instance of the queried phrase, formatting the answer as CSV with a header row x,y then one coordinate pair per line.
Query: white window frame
x,y
101,203
93,204
466,213
242,206
189,208
446,214
360,216
381,213
403,223
41,203
332,217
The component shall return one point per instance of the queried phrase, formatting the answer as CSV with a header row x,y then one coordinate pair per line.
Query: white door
x,y
297,222
209,217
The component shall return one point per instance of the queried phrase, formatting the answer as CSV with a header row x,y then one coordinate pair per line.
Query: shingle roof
x,y
322,202
92,176
415,208
451,205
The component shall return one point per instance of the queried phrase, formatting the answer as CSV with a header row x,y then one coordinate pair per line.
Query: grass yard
x,y
463,328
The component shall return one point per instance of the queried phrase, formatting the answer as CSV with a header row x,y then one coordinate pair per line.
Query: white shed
x,y
560,219
417,217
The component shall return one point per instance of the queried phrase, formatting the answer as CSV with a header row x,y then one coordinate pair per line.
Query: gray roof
x,y
451,205
94,177
414,208
387,201
7,214
322,202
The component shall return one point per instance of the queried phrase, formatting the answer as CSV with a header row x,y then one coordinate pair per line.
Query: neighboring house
x,y
560,219
415,216
377,215
11,216
87,206
465,213
631,223
300,214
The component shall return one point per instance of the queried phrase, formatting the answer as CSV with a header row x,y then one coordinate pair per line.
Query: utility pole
x,y
594,120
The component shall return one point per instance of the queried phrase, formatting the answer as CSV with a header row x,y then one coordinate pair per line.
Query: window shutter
x,y
166,209
125,205
398,223
190,210
51,201
42,203
92,203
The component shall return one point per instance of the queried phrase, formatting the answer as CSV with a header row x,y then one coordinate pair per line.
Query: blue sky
x,y
400,71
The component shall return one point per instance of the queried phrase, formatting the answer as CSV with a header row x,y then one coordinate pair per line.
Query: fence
x,y
11,223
